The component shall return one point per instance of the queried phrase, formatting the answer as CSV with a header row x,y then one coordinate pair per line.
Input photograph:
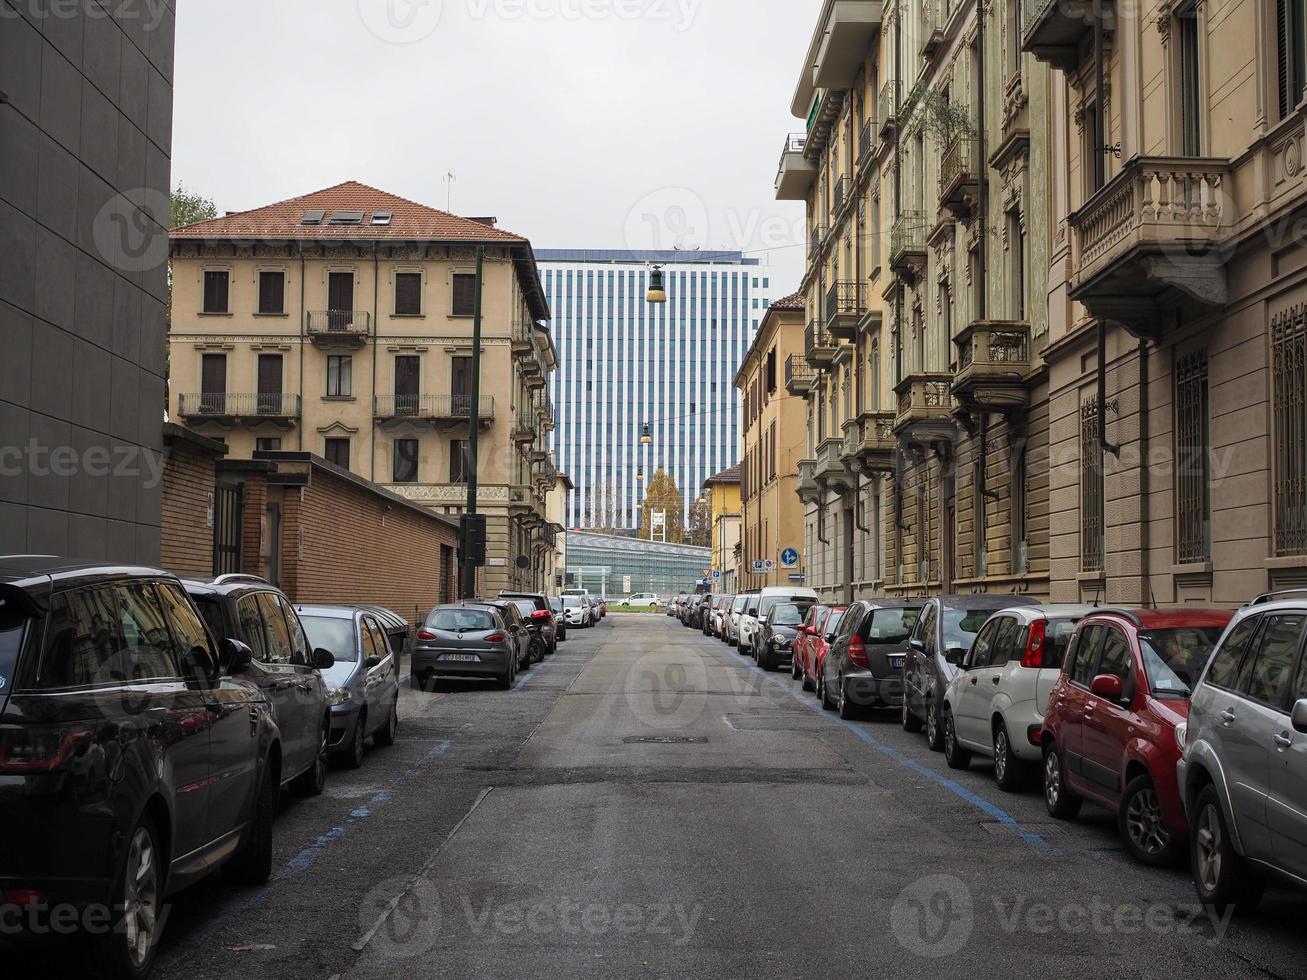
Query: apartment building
x,y
923,165
724,503
771,380
1177,299
340,323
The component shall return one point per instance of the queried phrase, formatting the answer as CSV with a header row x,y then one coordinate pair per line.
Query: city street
x,y
648,803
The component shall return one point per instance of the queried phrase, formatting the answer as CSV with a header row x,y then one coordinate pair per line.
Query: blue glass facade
x,y
623,362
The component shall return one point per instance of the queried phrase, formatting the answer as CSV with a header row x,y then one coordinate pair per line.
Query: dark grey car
x,y
471,639
863,667
363,684
779,631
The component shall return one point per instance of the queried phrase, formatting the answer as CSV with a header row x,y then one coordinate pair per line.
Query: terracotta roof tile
x,y
794,301
729,475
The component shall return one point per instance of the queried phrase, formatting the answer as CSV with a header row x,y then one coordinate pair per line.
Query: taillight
x,y
1034,656
425,634
858,653
23,896
496,638
40,748
541,614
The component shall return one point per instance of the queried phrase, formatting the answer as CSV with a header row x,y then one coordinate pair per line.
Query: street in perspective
x,y
466,509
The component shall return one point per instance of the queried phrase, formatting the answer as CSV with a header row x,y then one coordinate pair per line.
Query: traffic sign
x,y
789,558
759,566
796,576
716,573
769,565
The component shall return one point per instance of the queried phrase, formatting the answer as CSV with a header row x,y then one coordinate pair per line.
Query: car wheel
x,y
419,682
313,780
934,730
806,682
954,754
505,680
385,736
252,864
1009,772
844,704
1221,875
1139,818
128,949
1062,804
764,659
354,756
911,723
823,695
796,669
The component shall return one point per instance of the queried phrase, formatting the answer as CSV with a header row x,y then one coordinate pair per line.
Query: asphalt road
x,y
647,803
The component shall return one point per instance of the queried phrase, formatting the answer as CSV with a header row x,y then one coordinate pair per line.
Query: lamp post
x,y
474,423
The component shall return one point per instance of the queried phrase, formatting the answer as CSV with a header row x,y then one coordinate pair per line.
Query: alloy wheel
x,y
1144,822
1000,754
1208,850
141,897
1052,779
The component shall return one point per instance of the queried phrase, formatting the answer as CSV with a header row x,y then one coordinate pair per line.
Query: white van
x,y
765,599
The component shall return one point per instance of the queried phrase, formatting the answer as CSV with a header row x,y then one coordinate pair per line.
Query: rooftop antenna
x,y
450,180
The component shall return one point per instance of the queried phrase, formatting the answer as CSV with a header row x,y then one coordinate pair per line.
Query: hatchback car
x,y
363,684
539,621
720,614
560,622
285,666
761,604
819,641
131,763
863,664
471,639
802,669
995,704
779,630
576,612
946,628
1110,732
1244,769
732,619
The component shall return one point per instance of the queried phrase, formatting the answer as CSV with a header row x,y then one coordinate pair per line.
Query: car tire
x,y
1139,819
844,705
385,735
764,659
934,728
1010,773
505,680
954,754
1222,877
353,757
796,669
1061,803
823,695
252,864
127,951
911,723
806,682
419,682
313,780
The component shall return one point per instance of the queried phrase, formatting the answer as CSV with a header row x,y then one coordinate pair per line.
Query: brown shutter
x,y
464,295
272,292
215,292
408,293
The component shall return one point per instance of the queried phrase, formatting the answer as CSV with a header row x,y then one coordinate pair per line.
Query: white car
x,y
760,604
642,599
994,706
576,611
732,631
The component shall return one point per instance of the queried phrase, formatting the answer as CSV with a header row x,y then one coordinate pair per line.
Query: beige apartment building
x,y
339,324
772,423
924,167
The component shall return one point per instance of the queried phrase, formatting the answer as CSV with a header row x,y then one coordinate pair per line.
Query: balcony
x,y
849,445
433,409
1146,249
849,31
817,240
830,472
521,501
845,307
887,106
807,487
924,405
841,197
533,372
227,408
339,328
932,30
959,176
797,174
799,375
523,343
818,345
867,144
876,443
907,245
525,427
1055,31
544,409
993,361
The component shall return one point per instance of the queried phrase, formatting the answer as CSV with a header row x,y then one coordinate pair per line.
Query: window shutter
x,y
464,295
272,292
1284,48
215,292
408,293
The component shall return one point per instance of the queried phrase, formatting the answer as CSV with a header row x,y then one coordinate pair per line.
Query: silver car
x,y
1244,768
471,640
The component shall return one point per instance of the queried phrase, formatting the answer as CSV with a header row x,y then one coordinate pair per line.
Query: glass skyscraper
x,y
623,362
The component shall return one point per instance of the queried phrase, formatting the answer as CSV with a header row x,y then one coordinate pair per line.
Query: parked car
x,y
603,607
674,606
863,664
690,609
779,629
363,683
819,641
802,668
1243,774
642,600
134,756
747,623
576,612
947,626
709,611
751,621
702,605
1109,735
717,621
995,704
732,619
472,639
399,631
285,666
539,620
560,621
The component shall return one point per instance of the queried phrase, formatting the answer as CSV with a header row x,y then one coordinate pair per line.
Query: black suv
x,y
131,762
284,666
863,667
946,627
539,616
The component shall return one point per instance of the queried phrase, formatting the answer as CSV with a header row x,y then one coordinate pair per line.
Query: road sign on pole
x,y
790,558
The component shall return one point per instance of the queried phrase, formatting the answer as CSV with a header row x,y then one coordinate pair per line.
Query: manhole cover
x,y
665,740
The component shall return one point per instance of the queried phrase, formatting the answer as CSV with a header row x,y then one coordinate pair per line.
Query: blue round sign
x,y
789,558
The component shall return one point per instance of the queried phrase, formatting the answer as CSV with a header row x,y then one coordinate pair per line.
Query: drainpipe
x,y
304,317
376,320
1144,563
982,306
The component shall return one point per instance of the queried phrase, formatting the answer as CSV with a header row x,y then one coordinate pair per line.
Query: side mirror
x,y
323,659
1107,686
1299,716
238,657
956,656
372,663
917,645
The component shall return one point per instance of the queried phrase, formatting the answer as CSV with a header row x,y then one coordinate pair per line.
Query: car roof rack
x,y
1117,611
1266,597
240,577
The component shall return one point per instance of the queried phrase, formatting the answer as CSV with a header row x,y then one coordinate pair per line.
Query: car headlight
x,y
338,695
780,641
1181,734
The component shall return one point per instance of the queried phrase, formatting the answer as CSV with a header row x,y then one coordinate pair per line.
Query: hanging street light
x,y
640,475
657,291
646,435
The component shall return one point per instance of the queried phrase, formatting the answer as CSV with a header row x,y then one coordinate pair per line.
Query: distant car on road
x,y
560,621
539,618
761,604
644,600
577,611
471,639
732,619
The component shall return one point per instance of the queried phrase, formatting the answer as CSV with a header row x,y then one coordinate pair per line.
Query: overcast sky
x,y
578,123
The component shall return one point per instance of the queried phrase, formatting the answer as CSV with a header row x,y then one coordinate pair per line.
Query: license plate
x,y
896,662
462,658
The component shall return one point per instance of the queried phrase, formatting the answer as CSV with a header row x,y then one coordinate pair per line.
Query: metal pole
x,y
473,424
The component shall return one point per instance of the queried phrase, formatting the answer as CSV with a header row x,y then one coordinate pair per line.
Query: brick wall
x,y
188,483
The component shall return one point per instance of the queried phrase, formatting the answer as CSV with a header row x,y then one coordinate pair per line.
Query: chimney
x,y
488,222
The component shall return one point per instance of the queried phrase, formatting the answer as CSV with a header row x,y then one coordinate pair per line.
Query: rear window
x,y
962,625
890,626
1057,635
461,620
525,606
11,641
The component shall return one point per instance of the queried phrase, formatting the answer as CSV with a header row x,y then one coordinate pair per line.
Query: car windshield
x,y
769,602
962,625
1173,658
461,620
571,602
833,621
525,606
338,637
787,615
890,625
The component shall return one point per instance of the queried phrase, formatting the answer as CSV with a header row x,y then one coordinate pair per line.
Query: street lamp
x,y
646,435
657,291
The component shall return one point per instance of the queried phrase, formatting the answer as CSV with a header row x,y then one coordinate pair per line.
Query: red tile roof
x,y
794,301
409,222
729,475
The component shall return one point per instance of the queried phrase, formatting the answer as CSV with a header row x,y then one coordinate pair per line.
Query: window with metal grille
x,y
1091,491
1192,460
1291,44
923,531
1017,504
1289,367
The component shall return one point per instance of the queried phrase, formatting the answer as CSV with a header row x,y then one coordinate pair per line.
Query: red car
x,y
1110,728
800,669
820,634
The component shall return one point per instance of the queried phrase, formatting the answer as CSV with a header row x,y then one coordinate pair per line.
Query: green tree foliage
x,y
189,207
663,494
